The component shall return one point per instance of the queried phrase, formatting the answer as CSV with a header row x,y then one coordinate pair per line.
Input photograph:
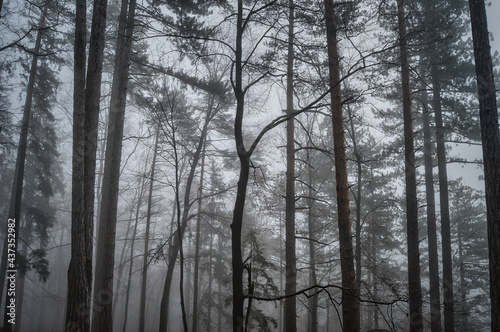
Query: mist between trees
x,y
249,166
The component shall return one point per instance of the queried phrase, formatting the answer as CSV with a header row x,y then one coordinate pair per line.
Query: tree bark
x,y
8,266
349,301
415,288
103,292
488,113
435,296
290,258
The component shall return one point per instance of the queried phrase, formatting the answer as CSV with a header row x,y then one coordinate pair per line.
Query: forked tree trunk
x,y
87,93
349,301
290,259
488,113
415,288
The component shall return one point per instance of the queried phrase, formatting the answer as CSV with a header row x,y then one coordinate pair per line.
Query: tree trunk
x,y
359,161
239,205
142,318
210,285
176,238
85,124
349,301
449,325
131,265
103,292
490,137
8,264
313,299
415,289
464,308
435,297
194,325
290,258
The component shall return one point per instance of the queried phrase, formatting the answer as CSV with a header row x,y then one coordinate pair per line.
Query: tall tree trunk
x,y
194,325
239,205
142,318
290,258
435,297
415,288
449,325
87,93
8,264
488,113
349,301
103,288
313,280
359,168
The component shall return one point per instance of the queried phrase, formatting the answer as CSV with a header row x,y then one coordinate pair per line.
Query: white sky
x,y
493,12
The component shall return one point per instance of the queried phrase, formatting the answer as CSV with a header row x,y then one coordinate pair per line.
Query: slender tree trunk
x,y
210,285
464,311
219,289
103,292
349,301
435,297
449,325
415,288
142,318
290,258
87,92
488,113
176,238
131,265
311,222
8,264
359,161
239,205
194,325
121,262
